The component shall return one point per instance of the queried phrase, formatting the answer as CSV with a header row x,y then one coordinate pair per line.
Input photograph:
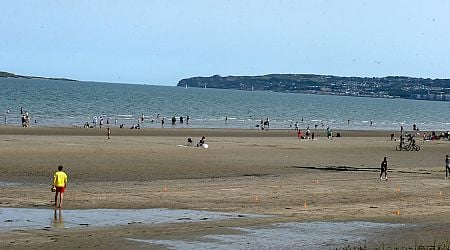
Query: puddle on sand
x,y
315,235
33,218
8,184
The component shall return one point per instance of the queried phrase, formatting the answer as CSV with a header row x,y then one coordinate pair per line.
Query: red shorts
x,y
60,189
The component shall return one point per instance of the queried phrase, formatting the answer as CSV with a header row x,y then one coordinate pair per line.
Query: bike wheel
x,y
417,147
398,148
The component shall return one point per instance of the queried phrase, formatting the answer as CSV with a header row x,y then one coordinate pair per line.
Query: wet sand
x,y
243,171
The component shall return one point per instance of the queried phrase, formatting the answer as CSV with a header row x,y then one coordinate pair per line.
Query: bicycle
x,y
408,147
414,147
402,147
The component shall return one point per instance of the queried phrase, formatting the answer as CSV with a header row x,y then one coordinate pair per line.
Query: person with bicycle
x,y
401,142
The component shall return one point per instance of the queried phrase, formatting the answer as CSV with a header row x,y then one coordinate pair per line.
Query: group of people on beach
x,y
264,124
100,121
201,142
60,177
24,118
308,135
411,142
384,168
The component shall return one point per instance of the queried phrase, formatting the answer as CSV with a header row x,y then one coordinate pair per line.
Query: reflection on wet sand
x,y
292,235
58,221
33,218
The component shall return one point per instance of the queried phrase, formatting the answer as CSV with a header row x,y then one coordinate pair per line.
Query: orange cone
x,y
305,205
396,212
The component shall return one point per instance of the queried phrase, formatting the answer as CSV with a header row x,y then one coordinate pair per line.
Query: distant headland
x,y
7,74
381,87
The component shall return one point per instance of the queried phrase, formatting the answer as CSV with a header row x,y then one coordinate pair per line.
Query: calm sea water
x,y
67,103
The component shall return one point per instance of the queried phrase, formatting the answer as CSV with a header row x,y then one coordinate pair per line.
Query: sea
x,y
60,103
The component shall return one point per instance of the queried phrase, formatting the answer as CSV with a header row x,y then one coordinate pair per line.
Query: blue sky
x,y
161,42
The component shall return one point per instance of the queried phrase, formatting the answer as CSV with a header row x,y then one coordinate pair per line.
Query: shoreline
x,y
173,132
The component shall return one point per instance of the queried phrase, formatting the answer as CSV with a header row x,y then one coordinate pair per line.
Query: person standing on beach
x,y
59,185
329,133
109,133
384,166
447,166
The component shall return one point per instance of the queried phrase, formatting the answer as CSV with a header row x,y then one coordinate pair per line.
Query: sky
x,y
160,42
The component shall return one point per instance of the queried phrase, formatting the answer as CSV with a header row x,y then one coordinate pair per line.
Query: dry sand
x,y
246,171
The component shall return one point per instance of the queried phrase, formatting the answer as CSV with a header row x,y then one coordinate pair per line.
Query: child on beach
x,y
59,185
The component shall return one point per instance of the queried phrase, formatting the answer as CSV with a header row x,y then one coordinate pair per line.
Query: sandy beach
x,y
243,171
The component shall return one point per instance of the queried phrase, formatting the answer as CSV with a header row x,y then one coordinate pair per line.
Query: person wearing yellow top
x,y
59,185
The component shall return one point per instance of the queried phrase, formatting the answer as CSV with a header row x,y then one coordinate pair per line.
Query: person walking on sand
x,y
329,133
109,133
384,169
447,166
59,185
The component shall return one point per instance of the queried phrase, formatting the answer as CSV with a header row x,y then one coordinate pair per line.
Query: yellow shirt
x,y
60,179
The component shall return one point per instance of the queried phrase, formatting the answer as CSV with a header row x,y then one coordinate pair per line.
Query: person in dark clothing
x,y
401,142
447,166
201,142
384,165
